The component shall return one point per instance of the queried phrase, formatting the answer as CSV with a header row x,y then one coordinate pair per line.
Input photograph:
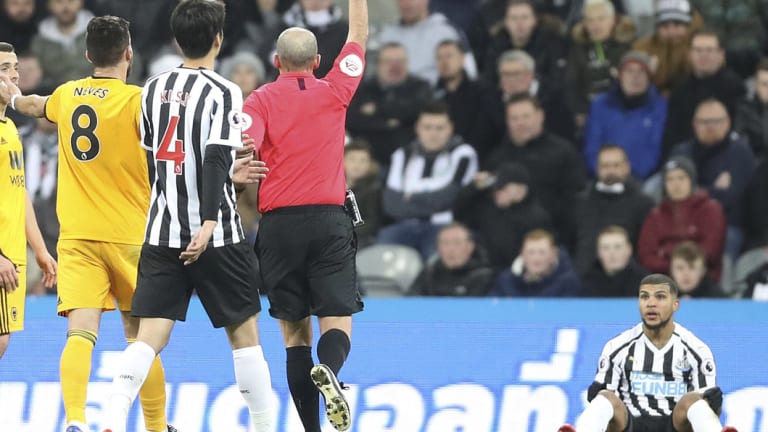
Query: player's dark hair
x,y
6,47
195,24
661,279
106,39
436,107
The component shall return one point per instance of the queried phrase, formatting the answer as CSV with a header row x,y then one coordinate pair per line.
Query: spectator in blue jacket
x,y
631,114
724,164
544,272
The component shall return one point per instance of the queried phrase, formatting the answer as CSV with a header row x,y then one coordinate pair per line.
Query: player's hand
x,y
248,149
714,398
198,244
49,267
7,88
9,274
249,171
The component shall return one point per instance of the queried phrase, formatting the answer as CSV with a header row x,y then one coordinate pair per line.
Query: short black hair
x,y
435,107
7,48
358,144
451,42
523,97
661,279
106,39
195,24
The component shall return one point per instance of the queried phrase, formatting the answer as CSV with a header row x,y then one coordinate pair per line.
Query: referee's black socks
x,y
305,396
332,349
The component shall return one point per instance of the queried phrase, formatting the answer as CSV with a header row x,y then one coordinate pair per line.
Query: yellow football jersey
x,y
13,204
103,186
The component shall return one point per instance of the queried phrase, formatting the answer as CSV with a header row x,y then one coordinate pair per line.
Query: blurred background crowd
x,y
498,147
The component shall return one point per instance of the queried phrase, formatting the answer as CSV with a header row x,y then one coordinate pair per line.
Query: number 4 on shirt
x,y
172,150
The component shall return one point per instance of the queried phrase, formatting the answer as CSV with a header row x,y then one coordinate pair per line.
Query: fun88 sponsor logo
x,y
653,384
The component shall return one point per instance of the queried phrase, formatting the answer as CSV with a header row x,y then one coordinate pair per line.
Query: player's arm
x,y
224,137
247,169
30,105
358,22
608,374
35,240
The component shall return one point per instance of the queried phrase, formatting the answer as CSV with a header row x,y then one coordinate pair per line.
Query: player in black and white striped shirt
x,y
184,111
656,376
192,123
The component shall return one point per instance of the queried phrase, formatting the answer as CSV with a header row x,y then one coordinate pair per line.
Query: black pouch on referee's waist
x,y
350,205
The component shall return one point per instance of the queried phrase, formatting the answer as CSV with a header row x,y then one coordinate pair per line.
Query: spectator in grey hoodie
x,y
420,32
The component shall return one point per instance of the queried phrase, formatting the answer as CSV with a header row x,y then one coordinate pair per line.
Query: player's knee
x,y
686,401
617,404
242,335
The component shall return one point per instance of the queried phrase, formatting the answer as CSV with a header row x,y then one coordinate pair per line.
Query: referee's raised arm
x,y
358,22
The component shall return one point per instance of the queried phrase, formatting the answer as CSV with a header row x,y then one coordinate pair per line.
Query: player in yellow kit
x,y
102,205
17,219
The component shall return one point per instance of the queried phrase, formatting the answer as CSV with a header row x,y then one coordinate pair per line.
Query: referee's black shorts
x,y
307,259
225,278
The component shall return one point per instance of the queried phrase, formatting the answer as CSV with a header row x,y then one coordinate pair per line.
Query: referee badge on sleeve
x,y
351,65
239,120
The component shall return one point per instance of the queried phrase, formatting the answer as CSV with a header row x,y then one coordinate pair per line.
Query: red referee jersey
x,y
299,128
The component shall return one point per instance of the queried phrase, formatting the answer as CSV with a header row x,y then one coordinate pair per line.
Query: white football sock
x,y
702,418
253,380
596,417
133,367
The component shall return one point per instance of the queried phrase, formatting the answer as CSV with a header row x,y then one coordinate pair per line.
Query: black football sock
x,y
305,396
333,348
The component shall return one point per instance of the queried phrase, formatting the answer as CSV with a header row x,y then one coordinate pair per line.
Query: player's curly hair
x,y
661,279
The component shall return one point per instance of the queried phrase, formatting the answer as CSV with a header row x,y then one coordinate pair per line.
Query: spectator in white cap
x,y
668,45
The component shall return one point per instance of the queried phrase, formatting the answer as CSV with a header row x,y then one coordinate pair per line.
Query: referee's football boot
x,y
336,406
566,428
77,427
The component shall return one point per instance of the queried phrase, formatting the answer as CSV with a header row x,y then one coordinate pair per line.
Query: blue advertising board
x,y
442,365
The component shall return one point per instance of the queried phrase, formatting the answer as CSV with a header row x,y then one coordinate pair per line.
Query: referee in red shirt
x,y
306,242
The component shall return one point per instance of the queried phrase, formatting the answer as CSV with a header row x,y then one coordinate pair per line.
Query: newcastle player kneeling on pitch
x,y
656,376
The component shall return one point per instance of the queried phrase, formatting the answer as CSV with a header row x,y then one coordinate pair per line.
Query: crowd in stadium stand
x,y
522,147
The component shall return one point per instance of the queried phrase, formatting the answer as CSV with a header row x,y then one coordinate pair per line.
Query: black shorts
x,y
307,258
650,424
225,278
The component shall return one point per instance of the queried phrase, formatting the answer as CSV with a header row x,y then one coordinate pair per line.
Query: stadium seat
x,y
387,270
746,264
